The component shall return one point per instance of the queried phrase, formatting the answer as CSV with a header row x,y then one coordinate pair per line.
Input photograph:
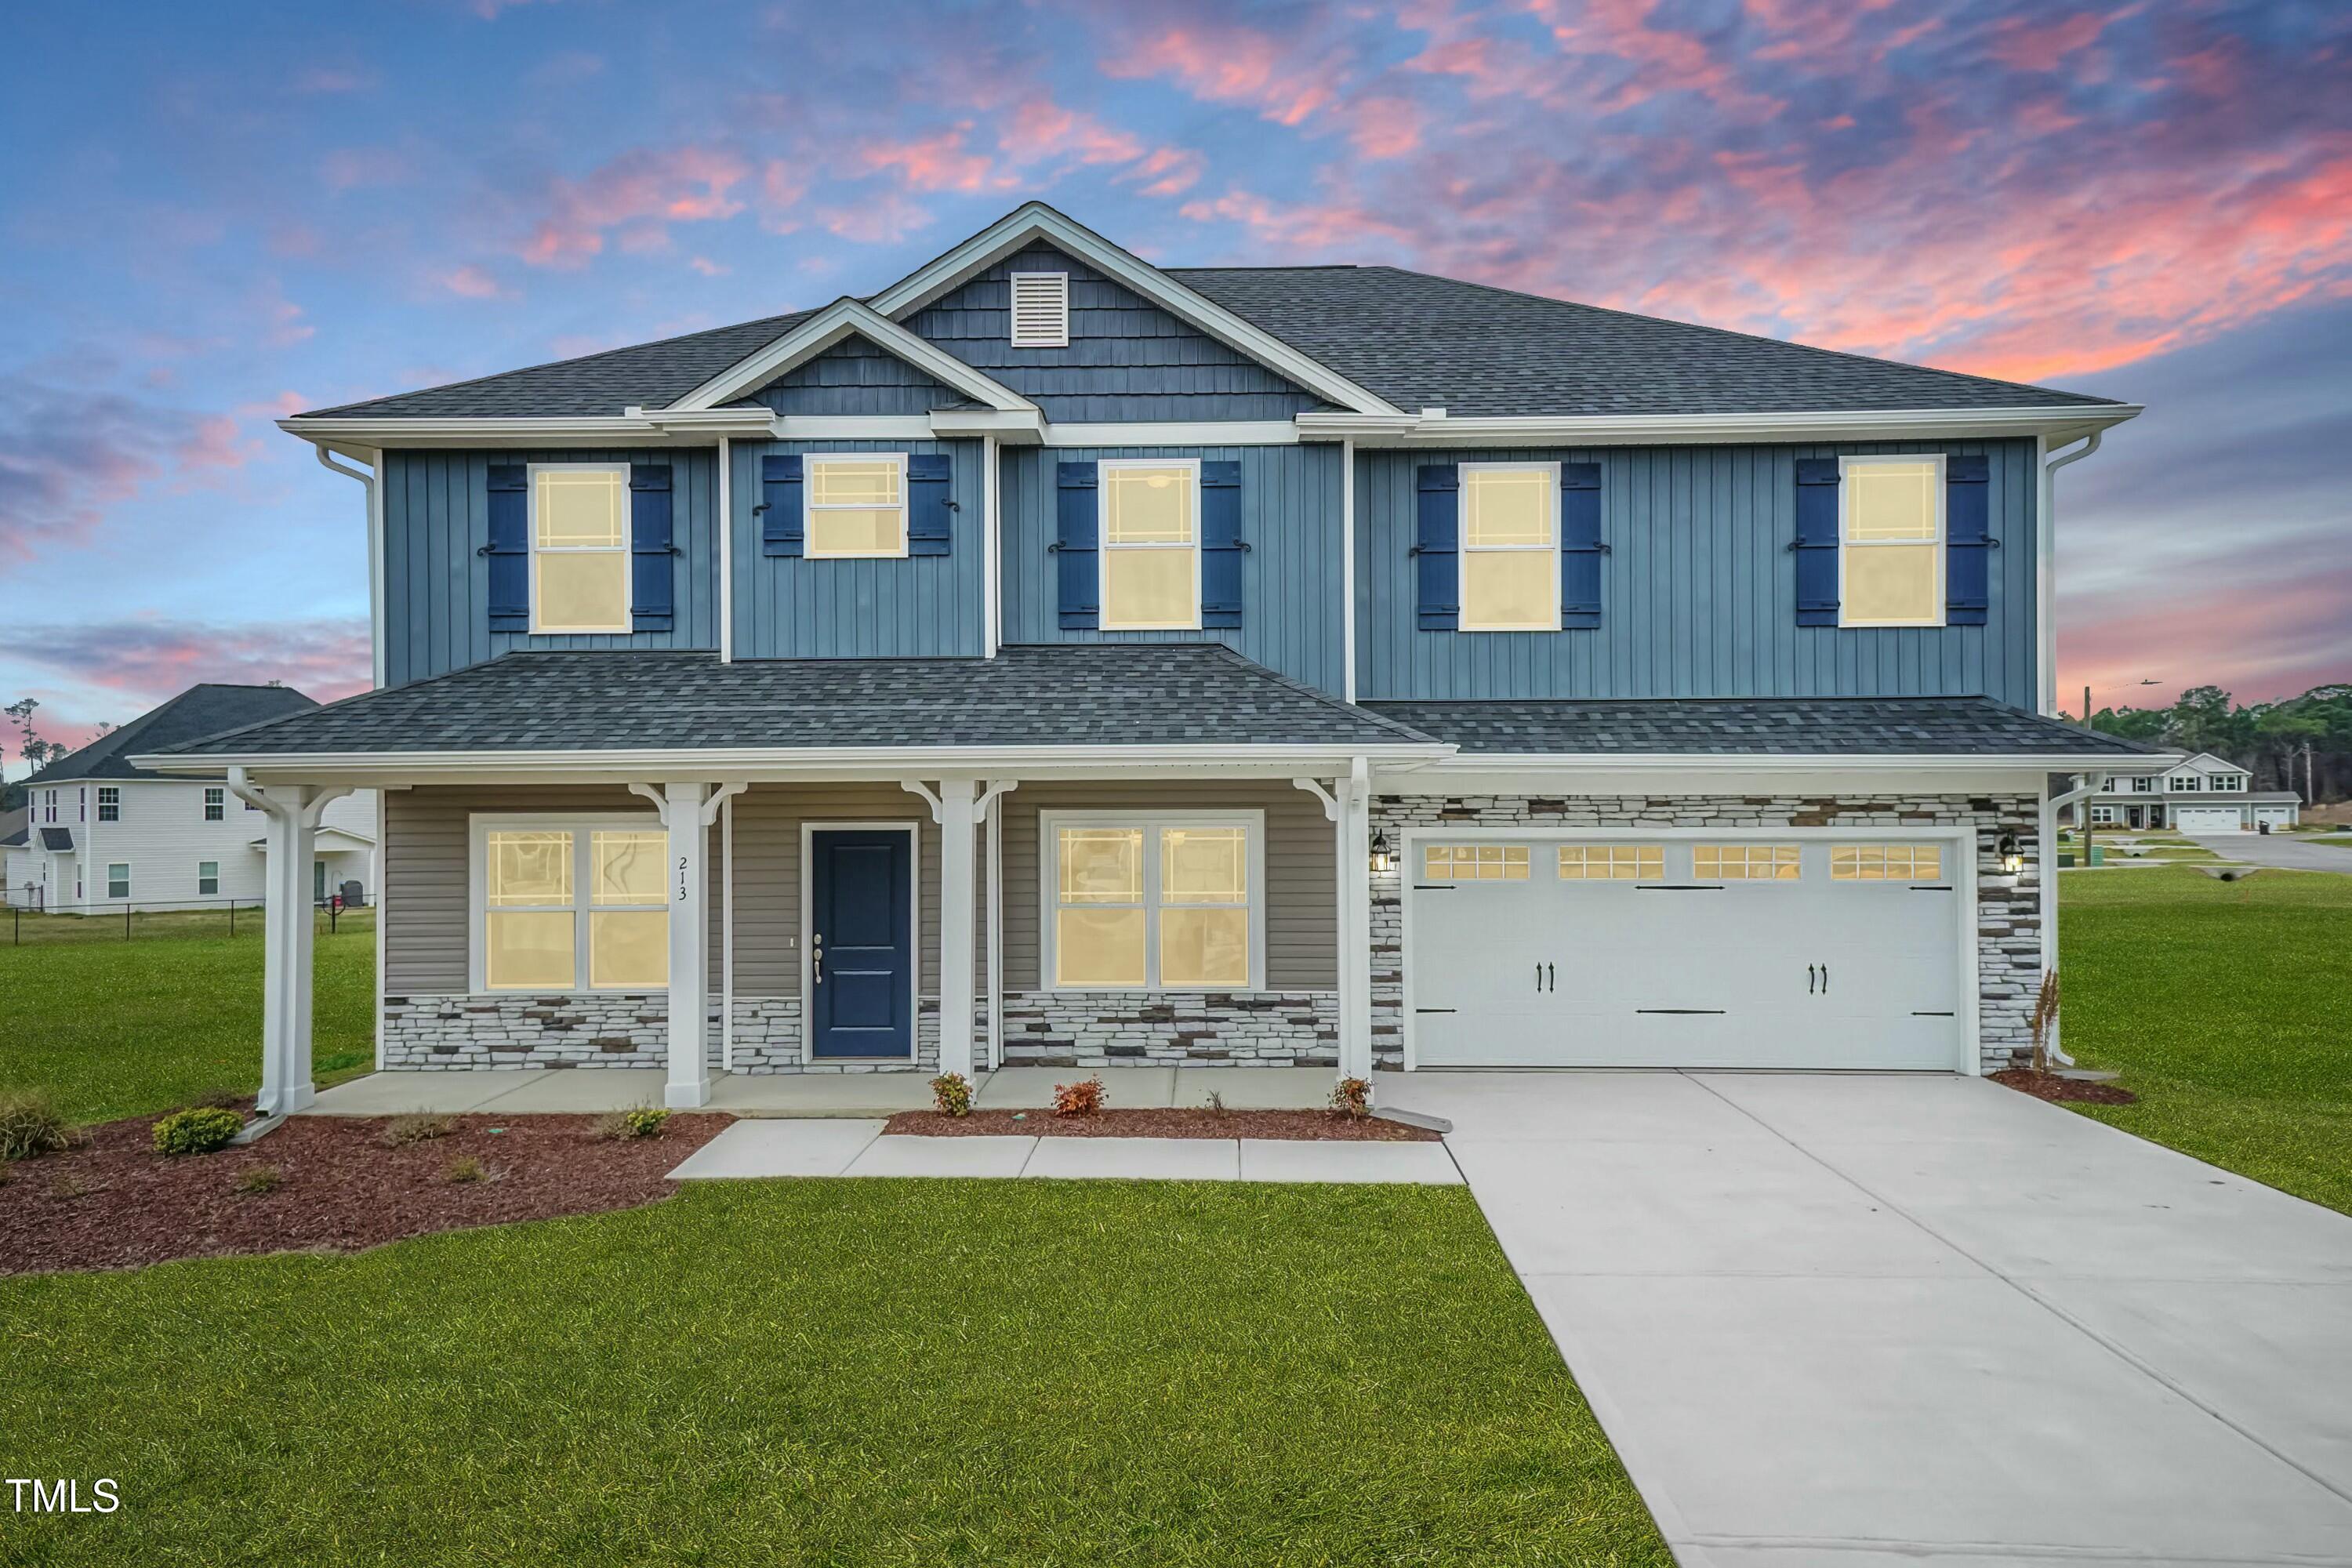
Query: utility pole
x,y
2086,706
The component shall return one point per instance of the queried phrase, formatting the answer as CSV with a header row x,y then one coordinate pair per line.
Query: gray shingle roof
x,y
1123,695
1758,726
199,710
57,838
12,828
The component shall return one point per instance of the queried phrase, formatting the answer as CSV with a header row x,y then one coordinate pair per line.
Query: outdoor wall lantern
x,y
2013,857
1383,859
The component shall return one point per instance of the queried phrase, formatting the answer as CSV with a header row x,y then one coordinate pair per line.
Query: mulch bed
x,y
2050,1086
114,1203
1161,1123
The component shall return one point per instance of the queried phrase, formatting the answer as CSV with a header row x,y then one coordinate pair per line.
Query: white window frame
x,y
810,463
216,804
628,568
203,891
480,824
1012,332
1938,551
2187,784
115,791
1049,862
1462,543
2102,814
110,893
1102,546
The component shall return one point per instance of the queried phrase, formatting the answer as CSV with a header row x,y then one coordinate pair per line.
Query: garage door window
x,y
1886,863
1474,863
1745,862
1154,906
1613,862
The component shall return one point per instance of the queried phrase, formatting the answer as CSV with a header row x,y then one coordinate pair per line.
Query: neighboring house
x,y
15,856
2205,793
1057,659
105,834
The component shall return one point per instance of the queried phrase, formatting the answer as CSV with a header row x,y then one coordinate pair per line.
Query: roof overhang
x,y
1436,427
1599,773
846,317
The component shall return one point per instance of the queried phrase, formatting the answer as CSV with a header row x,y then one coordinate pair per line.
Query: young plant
x,y
259,1179
951,1092
637,1121
2045,1019
1352,1097
201,1131
417,1127
30,1125
1083,1097
1216,1103
464,1168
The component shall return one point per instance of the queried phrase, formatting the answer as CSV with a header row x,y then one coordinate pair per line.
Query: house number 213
x,y
681,878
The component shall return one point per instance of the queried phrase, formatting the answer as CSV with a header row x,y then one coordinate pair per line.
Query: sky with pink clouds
x,y
209,218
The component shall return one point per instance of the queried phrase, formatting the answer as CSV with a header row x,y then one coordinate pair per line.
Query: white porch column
x,y
689,957
958,928
291,813
1347,807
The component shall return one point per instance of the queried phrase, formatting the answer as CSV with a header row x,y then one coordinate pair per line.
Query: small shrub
x,y
1083,1097
259,1179
951,1092
30,1125
464,1168
201,1131
637,1121
417,1127
1216,1103
1352,1097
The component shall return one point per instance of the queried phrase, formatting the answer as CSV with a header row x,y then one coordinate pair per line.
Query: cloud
x,y
938,162
471,282
639,194
365,168
67,459
879,219
1223,61
150,658
326,79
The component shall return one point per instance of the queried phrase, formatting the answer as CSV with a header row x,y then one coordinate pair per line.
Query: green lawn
x,y
129,1028
2225,1006
903,1373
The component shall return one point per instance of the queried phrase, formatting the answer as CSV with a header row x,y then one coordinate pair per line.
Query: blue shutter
x,y
1078,527
1580,549
1968,540
652,564
930,513
1221,543
509,548
1437,550
780,506
1816,543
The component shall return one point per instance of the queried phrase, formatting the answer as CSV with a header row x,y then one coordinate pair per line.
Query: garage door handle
x,y
1551,978
1825,979
1538,976
1811,975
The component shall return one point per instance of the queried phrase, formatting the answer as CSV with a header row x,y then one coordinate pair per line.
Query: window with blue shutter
x,y
653,552
781,530
1968,540
930,509
1816,545
1222,545
1581,547
1076,546
510,547
1437,549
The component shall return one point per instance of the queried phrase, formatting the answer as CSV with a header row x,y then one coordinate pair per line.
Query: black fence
x,y
31,925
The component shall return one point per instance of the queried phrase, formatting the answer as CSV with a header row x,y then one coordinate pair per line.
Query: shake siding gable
x,y
856,377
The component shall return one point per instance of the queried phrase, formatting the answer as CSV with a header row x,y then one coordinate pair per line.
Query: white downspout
x,y
2045,576
726,572
992,634
727,933
375,550
1347,566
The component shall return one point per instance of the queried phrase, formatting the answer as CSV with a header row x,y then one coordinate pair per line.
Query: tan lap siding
x,y
1301,927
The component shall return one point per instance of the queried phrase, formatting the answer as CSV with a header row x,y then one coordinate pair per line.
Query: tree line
x,y
2271,740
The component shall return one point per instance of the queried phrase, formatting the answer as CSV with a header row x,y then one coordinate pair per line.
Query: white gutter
x,y
726,553
1436,428
374,551
1782,761
2046,568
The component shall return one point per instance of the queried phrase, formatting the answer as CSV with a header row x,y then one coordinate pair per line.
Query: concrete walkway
x,y
859,1148
1865,1321
2284,850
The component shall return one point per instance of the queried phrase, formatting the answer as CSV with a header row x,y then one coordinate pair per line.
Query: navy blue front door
x,y
861,951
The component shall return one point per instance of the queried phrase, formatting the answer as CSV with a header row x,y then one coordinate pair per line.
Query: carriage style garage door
x,y
2209,820
1672,951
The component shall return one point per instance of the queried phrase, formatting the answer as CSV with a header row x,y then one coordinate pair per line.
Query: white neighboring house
x,y
101,836
2204,793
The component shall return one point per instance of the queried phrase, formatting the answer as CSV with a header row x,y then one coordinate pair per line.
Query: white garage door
x,y
1732,952
2208,819
2276,816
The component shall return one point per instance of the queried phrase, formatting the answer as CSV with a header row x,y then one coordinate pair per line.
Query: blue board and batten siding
x,y
1698,589
1290,620
924,606
436,581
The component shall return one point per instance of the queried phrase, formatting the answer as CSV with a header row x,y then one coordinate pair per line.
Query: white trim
x,y
1056,301
842,319
624,550
1935,543
1174,433
1551,470
1434,429
1151,822
992,591
914,831
1102,546
1036,220
580,825
105,880
725,550
727,933
810,462
1571,763
371,478
1348,568
1963,886
585,430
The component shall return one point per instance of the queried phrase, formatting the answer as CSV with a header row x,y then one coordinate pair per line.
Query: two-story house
x,y
1057,659
2203,793
103,834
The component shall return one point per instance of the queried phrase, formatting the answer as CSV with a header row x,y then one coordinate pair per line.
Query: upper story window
x,y
856,507
110,804
1891,542
1510,543
1150,545
579,547
216,804
2228,782
1041,310
2188,784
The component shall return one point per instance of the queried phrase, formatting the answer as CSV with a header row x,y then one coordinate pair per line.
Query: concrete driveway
x,y
2282,850
1867,1320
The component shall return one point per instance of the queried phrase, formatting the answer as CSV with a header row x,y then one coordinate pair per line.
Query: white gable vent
x,y
1041,310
